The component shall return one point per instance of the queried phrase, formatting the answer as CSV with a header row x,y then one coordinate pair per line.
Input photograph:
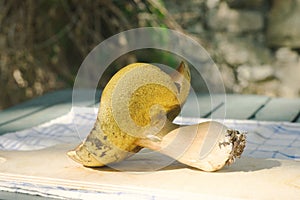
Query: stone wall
x,y
254,43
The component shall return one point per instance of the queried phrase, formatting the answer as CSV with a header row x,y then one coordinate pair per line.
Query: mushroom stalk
x,y
208,146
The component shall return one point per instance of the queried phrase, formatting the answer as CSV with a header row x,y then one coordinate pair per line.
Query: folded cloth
x,y
264,139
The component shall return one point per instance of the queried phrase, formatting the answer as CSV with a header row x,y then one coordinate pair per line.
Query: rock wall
x,y
254,43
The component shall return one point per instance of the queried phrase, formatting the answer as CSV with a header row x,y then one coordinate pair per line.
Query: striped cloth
x,y
264,139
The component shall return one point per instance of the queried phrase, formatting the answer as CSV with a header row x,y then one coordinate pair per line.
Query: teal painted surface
x,y
55,104
239,106
36,118
201,105
279,109
34,105
42,109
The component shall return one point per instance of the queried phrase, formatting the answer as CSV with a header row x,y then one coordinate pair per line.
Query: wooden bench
x,y
253,107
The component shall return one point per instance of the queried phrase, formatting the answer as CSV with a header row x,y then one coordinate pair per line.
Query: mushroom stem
x,y
207,146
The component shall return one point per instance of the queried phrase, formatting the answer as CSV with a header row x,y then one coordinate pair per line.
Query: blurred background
x,y
255,43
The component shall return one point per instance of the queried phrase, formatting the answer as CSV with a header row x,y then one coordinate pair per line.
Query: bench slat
x,y
41,110
240,106
36,118
34,105
201,105
55,104
279,109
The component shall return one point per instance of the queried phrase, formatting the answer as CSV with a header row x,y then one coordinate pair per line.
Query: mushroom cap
x,y
138,101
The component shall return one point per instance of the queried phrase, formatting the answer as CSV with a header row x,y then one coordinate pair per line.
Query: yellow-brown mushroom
x,y
140,101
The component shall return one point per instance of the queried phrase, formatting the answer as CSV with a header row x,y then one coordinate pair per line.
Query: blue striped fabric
x,y
264,139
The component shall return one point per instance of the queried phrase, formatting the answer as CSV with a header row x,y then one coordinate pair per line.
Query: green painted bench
x,y
253,107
